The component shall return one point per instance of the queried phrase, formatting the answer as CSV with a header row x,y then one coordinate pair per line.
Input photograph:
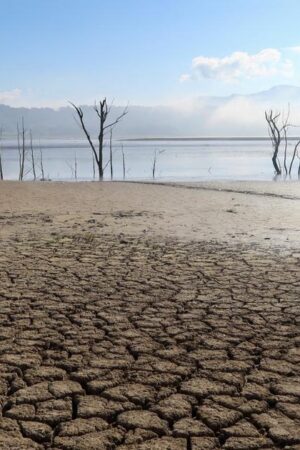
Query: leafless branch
x,y
80,115
293,157
102,110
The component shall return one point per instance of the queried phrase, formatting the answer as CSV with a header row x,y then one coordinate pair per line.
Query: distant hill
x,y
235,115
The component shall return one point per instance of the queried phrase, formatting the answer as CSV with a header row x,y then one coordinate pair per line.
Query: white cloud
x,y
185,77
239,65
295,49
9,97
28,99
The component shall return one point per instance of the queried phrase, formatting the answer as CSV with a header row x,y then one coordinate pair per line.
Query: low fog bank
x,y
235,115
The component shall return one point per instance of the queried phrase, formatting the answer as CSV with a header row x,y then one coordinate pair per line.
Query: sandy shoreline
x,y
141,316
246,212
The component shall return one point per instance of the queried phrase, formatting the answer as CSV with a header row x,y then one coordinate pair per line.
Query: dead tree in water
x,y
275,136
154,164
102,110
75,167
19,149
94,169
285,127
123,160
1,167
22,150
111,155
295,152
42,165
32,157
277,133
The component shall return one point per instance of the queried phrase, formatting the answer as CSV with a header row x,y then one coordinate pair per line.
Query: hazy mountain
x,y
235,115
280,94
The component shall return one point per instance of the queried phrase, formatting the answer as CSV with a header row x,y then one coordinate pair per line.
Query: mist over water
x,y
175,160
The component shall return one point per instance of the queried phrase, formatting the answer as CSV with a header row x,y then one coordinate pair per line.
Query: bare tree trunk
x,y
22,152
275,137
1,168
75,167
294,154
19,150
32,157
102,112
154,165
123,160
275,160
100,163
94,169
42,165
285,126
111,156
285,150
100,154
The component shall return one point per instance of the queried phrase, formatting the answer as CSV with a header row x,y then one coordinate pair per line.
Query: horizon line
x,y
207,138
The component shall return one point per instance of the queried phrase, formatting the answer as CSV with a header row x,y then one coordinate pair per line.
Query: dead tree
x,y
285,126
154,164
102,110
21,150
277,133
32,157
94,169
275,136
123,160
111,155
75,167
1,167
285,150
295,152
42,165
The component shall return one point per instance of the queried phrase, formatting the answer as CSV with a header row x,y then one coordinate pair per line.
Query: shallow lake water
x,y
175,160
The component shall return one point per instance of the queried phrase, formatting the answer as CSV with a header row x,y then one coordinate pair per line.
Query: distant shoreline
x,y
232,138
49,143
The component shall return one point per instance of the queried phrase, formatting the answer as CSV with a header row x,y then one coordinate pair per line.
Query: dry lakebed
x,y
147,316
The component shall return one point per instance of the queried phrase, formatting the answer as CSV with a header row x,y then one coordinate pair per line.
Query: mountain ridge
x,y
236,114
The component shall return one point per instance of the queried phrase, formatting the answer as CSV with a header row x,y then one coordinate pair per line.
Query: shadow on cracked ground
x,y
133,343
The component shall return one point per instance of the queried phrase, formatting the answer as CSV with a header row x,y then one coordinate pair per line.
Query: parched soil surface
x,y
133,343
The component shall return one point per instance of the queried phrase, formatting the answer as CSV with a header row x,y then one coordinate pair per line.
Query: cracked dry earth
x,y
132,343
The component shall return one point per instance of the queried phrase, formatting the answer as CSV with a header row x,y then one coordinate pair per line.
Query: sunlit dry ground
x,y
119,333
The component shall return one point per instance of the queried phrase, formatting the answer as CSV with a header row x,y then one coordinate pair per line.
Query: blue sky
x,y
145,51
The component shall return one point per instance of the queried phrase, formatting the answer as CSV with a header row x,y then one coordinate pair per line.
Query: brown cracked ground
x,y
111,341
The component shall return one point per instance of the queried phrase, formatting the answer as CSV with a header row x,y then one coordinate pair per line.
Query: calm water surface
x,y
175,160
